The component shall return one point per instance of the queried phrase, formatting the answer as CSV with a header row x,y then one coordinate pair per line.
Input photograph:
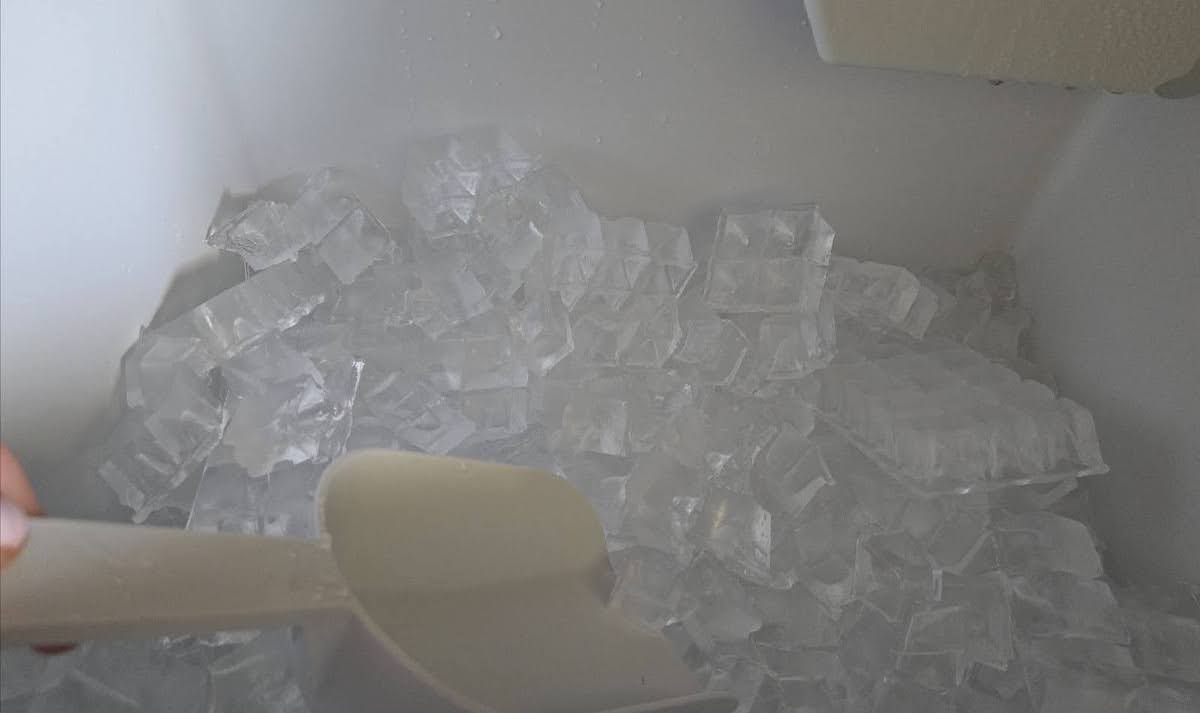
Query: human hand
x,y
17,504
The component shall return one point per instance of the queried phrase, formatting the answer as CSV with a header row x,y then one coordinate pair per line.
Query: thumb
x,y
14,530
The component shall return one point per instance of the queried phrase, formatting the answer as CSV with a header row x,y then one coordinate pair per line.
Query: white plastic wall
x,y
121,124
1109,261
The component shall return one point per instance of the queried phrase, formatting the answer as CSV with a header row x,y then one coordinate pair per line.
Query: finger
x,y
14,486
14,530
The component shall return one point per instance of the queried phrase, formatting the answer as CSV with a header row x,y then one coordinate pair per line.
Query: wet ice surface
x,y
833,484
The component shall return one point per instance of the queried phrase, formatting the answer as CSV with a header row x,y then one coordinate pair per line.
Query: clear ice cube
x,y
603,480
879,295
711,353
792,619
1060,604
269,232
647,587
737,530
445,176
769,261
272,300
148,456
542,327
592,423
1035,541
1165,645
407,410
793,345
660,484
153,362
497,413
792,471
357,242
121,677
257,677
724,609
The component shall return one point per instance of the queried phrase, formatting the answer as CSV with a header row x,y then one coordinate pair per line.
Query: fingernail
x,y
14,526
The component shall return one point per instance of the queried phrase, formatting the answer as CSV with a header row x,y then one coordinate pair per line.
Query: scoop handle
x,y
79,580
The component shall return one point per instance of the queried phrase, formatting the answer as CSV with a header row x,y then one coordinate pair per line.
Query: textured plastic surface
x,y
1120,45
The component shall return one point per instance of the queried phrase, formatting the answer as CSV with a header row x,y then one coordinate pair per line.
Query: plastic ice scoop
x,y
443,585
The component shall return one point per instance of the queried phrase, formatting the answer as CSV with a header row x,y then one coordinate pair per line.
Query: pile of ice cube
x,y
825,480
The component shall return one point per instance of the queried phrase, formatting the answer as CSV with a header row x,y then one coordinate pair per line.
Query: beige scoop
x,y
442,585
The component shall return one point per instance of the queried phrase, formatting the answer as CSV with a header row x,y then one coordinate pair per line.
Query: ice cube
x,y
1035,541
148,456
527,449
257,677
272,300
185,424
592,423
988,617
671,261
498,413
574,243
869,645
940,671
1165,645
619,267
879,295
20,670
153,362
792,471
724,608
1059,604
900,696
280,504
269,232
409,410
511,236
601,334
741,678
1001,335
293,415
922,313
958,538
1163,698
658,484
828,576
271,361
357,242
477,355
737,530
793,345
121,677
449,295
444,177
711,353
259,234
792,618
602,479
1053,689
769,261
542,328
647,587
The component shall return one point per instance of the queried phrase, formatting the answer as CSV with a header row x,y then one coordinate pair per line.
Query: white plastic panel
x,y
1121,45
